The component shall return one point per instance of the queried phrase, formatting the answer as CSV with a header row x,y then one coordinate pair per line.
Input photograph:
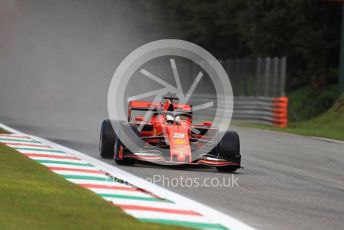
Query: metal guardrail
x,y
263,110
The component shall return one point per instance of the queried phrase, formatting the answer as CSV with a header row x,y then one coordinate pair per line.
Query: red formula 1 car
x,y
168,138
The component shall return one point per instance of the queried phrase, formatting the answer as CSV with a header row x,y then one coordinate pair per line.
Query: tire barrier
x,y
280,111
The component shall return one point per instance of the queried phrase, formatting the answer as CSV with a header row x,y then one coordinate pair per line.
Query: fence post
x,y
231,73
267,74
341,58
275,79
239,75
245,66
283,73
259,60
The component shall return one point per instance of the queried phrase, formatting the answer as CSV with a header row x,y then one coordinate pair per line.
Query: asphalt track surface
x,y
288,181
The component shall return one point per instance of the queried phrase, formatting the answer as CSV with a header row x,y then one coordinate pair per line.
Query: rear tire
x,y
107,140
229,148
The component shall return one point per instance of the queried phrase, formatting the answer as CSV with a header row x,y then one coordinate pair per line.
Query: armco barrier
x,y
264,110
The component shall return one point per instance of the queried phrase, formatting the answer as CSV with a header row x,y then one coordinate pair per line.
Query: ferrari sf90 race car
x,y
168,137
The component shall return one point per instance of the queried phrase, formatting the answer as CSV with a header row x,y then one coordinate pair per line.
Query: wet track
x,y
54,74
288,181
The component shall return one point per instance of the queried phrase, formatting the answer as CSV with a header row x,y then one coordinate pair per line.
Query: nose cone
x,y
178,136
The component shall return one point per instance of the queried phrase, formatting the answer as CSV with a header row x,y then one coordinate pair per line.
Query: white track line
x,y
61,172
55,159
66,166
119,192
43,152
117,201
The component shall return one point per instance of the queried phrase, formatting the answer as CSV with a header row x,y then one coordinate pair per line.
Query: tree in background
x,y
307,32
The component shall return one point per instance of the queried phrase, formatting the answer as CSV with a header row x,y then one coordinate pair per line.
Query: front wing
x,y
204,160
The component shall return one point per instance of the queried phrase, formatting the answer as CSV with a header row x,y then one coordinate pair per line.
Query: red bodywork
x,y
177,135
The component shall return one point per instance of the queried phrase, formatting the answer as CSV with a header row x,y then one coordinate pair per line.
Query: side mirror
x,y
207,123
139,118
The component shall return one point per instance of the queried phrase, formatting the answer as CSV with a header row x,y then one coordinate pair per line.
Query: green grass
x,y
306,103
31,197
3,131
328,125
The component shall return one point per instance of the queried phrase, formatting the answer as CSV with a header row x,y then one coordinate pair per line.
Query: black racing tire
x,y
229,148
118,144
229,145
107,140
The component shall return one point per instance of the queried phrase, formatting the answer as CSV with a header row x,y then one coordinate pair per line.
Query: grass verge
x,y
301,129
32,197
306,103
3,131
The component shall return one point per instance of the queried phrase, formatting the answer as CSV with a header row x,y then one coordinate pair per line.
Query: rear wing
x,y
144,106
154,106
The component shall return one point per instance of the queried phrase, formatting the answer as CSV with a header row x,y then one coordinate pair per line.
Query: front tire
x,y
229,148
107,140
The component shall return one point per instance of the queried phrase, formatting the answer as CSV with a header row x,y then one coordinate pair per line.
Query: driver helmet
x,y
169,119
